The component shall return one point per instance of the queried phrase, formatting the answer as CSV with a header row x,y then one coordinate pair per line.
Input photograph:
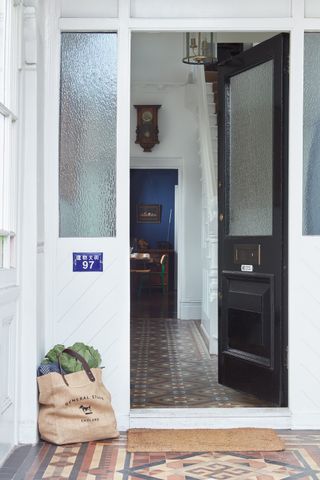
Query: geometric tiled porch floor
x,y
171,367
109,460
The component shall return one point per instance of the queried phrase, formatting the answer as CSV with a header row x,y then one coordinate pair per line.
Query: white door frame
x,y
166,163
214,417
125,27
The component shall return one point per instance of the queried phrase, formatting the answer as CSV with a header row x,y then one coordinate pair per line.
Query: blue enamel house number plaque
x,y
87,261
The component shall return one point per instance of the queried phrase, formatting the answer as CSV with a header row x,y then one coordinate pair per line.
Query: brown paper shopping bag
x,y
75,407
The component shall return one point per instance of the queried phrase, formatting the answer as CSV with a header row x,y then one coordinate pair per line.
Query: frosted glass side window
x,y
88,102
2,46
311,135
2,172
251,151
1,251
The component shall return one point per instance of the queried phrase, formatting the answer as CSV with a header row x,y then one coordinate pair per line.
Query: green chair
x,y
162,273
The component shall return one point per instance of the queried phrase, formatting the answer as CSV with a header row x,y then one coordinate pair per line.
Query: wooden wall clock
x,y
147,126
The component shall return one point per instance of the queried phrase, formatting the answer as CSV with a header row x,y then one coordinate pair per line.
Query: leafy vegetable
x,y
52,355
70,364
90,354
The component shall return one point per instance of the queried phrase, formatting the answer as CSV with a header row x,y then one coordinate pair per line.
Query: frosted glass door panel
x,y
88,102
311,135
251,151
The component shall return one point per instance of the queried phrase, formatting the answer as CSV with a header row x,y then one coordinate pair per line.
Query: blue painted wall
x,y
153,187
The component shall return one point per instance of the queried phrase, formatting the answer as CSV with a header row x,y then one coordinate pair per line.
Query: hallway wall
x,y
153,187
159,77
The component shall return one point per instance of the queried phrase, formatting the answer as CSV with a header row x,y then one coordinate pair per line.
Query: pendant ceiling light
x,y
200,48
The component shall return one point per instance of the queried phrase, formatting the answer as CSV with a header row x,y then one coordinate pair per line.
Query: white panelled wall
x,y
18,289
60,306
209,9
8,359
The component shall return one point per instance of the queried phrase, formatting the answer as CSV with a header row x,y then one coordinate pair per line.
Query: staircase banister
x,y
205,138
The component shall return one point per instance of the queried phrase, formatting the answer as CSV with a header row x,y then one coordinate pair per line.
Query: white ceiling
x,y
157,57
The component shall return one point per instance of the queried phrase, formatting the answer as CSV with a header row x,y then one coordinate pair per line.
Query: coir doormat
x,y
203,440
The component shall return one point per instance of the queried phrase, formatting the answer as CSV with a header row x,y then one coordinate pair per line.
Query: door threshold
x,y
269,417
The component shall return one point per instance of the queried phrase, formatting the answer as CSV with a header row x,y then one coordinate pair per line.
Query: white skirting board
x,y
279,418
190,310
211,343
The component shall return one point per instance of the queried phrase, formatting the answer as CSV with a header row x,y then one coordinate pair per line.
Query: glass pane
x,y
88,102
2,46
251,147
311,133
2,123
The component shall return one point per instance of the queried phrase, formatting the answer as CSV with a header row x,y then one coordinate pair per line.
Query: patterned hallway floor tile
x,y
109,460
171,367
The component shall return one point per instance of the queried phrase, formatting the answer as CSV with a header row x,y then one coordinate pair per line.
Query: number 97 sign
x,y
87,261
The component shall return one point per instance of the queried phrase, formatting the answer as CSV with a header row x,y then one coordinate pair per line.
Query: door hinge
x,y
286,359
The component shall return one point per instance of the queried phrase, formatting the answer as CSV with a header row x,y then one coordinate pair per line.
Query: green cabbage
x,y
71,364
52,355
90,354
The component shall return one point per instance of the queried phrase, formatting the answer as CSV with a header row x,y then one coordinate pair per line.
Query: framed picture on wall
x,y
147,213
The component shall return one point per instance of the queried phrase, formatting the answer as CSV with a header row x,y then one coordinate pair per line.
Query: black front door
x,y
253,97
